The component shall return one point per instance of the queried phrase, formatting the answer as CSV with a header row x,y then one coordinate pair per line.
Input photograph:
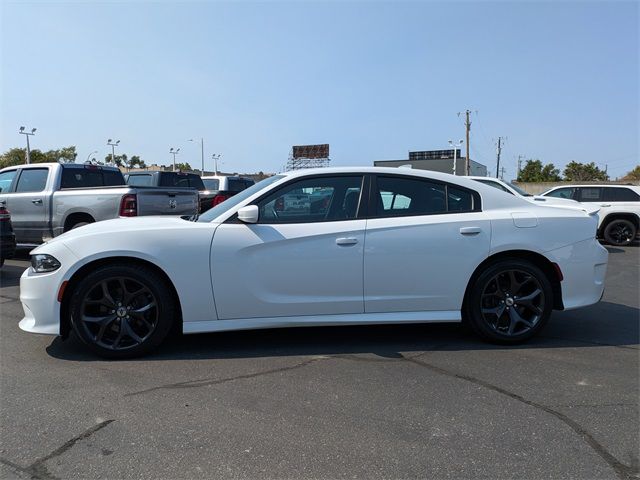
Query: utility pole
x,y
520,157
502,171
27,134
498,152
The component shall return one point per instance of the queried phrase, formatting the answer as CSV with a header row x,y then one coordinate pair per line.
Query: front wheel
x,y
122,311
620,232
509,302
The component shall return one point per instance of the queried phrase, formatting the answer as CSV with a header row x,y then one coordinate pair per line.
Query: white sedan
x,y
371,245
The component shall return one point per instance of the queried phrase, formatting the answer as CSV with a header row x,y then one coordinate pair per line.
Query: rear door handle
x,y
346,241
37,201
470,230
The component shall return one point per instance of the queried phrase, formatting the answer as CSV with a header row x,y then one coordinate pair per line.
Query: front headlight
x,y
42,263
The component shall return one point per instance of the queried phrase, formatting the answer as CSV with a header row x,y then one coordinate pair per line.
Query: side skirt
x,y
451,316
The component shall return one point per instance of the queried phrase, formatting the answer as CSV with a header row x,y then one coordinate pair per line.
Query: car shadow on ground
x,y
603,324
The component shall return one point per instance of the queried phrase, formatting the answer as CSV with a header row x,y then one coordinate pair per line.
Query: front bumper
x,y
584,267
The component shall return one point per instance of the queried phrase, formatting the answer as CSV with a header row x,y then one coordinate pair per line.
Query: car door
x,y
28,204
423,241
301,258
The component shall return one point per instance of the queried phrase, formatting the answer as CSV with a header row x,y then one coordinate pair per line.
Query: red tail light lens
x,y
218,199
4,213
129,205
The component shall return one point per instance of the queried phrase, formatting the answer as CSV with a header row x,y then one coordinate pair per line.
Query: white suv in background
x,y
619,208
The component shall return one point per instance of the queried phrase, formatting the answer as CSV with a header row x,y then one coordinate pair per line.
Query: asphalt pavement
x,y
404,401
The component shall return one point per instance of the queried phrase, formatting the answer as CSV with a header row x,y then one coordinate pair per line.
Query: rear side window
x,y
620,194
171,179
211,183
6,179
32,180
140,180
237,184
401,196
562,193
112,177
494,185
196,182
590,194
80,177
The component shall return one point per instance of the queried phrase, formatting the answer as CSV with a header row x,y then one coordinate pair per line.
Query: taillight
x,y
219,198
129,205
4,214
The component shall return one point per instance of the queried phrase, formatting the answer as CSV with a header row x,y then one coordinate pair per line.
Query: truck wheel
x,y
122,311
620,232
509,302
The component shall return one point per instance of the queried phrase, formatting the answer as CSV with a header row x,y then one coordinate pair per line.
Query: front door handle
x,y
346,241
37,201
605,204
470,230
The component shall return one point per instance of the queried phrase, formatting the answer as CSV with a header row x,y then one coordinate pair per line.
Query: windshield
x,y
519,190
219,209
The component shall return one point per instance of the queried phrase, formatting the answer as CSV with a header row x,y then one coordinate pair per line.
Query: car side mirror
x,y
249,214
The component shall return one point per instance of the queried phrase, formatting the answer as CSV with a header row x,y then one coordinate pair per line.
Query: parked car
x,y
173,180
47,199
7,237
453,249
619,208
223,187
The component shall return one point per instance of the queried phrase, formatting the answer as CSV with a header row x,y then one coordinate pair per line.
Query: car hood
x,y
133,224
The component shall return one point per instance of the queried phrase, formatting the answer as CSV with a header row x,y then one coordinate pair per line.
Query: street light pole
x,y
174,152
215,162
95,151
113,150
455,153
201,154
27,134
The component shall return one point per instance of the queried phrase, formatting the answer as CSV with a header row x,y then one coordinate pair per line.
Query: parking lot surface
x,y
367,402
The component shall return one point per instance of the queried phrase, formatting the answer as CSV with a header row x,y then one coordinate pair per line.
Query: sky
x,y
558,80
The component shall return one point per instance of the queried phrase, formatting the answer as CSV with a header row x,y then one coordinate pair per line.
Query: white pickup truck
x,y
48,199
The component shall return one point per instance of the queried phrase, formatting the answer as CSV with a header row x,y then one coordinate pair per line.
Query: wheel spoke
x,y
141,310
106,296
527,301
126,328
98,320
497,311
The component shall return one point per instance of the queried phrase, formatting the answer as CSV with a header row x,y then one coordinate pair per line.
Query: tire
x,y
620,232
496,309
78,225
122,311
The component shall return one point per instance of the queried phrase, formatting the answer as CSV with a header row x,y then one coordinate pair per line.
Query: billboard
x,y
311,151
433,154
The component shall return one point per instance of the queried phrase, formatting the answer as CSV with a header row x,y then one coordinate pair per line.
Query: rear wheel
x,y
122,311
510,301
620,232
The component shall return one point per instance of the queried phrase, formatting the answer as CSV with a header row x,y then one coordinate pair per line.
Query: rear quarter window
x,y
620,194
140,180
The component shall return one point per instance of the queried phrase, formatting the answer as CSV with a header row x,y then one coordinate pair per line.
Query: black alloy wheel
x,y
122,311
510,301
620,232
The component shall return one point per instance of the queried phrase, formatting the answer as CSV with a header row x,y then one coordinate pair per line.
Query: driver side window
x,y
321,199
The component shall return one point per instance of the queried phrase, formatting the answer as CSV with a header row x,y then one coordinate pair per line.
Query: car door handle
x,y
470,230
37,201
605,204
346,241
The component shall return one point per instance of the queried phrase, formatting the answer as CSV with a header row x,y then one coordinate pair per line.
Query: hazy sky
x,y
372,79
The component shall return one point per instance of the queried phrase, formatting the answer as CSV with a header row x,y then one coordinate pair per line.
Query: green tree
x,y
185,167
633,174
17,156
535,171
584,172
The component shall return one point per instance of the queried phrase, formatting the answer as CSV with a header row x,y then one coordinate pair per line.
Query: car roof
x,y
598,185
64,165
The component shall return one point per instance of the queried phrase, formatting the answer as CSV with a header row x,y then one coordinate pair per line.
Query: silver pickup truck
x,y
47,199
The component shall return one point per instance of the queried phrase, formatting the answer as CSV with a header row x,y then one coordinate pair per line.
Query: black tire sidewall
x,y
158,287
611,224
473,310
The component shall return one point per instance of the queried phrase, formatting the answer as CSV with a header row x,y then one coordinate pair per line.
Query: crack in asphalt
x,y
623,471
203,382
38,470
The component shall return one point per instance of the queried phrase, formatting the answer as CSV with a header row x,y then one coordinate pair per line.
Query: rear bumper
x,y
584,267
